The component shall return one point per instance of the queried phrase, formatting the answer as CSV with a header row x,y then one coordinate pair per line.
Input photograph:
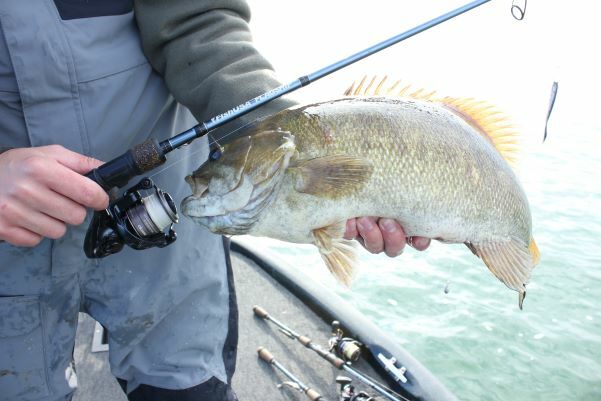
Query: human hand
x,y
380,234
42,190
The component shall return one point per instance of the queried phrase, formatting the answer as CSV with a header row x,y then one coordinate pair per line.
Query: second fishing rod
x,y
329,356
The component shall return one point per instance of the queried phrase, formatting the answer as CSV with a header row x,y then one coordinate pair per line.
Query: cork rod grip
x,y
260,312
265,355
313,395
304,340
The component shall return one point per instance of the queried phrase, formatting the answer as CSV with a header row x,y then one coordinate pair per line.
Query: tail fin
x,y
510,261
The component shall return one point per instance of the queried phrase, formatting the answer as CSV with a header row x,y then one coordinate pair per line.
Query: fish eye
x,y
215,153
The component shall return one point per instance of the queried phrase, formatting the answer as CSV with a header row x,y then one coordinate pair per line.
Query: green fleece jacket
x,y
204,50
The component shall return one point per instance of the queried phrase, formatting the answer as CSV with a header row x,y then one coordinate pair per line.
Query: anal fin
x,y
510,261
338,254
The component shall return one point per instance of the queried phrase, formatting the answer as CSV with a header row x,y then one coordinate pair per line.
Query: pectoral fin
x,y
338,254
510,261
332,176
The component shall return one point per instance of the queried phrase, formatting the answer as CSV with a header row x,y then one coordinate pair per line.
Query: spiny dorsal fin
x,y
377,87
486,118
337,253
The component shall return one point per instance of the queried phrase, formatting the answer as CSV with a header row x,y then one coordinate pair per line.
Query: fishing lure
x,y
554,88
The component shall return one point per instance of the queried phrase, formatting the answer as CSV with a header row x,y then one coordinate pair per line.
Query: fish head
x,y
228,194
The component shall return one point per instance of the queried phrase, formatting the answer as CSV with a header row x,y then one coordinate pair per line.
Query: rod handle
x,y
260,312
137,160
265,355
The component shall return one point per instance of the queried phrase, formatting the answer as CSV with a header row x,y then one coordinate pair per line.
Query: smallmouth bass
x,y
439,166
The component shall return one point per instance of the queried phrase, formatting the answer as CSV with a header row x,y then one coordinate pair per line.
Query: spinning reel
x,y
347,348
138,219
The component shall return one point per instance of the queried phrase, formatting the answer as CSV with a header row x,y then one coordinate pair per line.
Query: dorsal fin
x,y
489,121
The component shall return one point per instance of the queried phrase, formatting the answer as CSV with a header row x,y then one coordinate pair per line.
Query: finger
x,y
393,235
419,243
371,234
57,206
24,217
18,236
351,229
77,188
74,161
44,225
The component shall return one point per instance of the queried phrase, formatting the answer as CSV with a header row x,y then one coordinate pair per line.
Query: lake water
x,y
474,337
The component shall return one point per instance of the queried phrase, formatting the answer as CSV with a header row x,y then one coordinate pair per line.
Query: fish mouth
x,y
209,211
236,212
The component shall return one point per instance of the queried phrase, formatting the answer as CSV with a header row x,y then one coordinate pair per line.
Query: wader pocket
x,y
22,362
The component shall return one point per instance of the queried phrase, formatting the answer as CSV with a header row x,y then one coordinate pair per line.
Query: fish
x,y
440,166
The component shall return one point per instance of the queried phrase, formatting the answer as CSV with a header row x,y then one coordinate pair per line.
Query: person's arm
x,y
204,51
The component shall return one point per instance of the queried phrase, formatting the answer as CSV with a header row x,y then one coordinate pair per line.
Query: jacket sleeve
x,y
204,51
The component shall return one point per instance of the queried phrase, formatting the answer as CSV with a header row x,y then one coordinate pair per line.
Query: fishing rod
x,y
328,356
140,217
313,395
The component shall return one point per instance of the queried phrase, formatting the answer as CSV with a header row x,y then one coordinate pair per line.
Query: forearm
x,y
204,51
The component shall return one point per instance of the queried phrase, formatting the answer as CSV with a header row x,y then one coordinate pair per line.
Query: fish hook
x,y
517,10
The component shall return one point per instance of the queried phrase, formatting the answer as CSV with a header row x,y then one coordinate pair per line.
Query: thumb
x,y
77,162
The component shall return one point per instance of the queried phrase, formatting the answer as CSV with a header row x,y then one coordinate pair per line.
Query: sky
x,y
484,53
